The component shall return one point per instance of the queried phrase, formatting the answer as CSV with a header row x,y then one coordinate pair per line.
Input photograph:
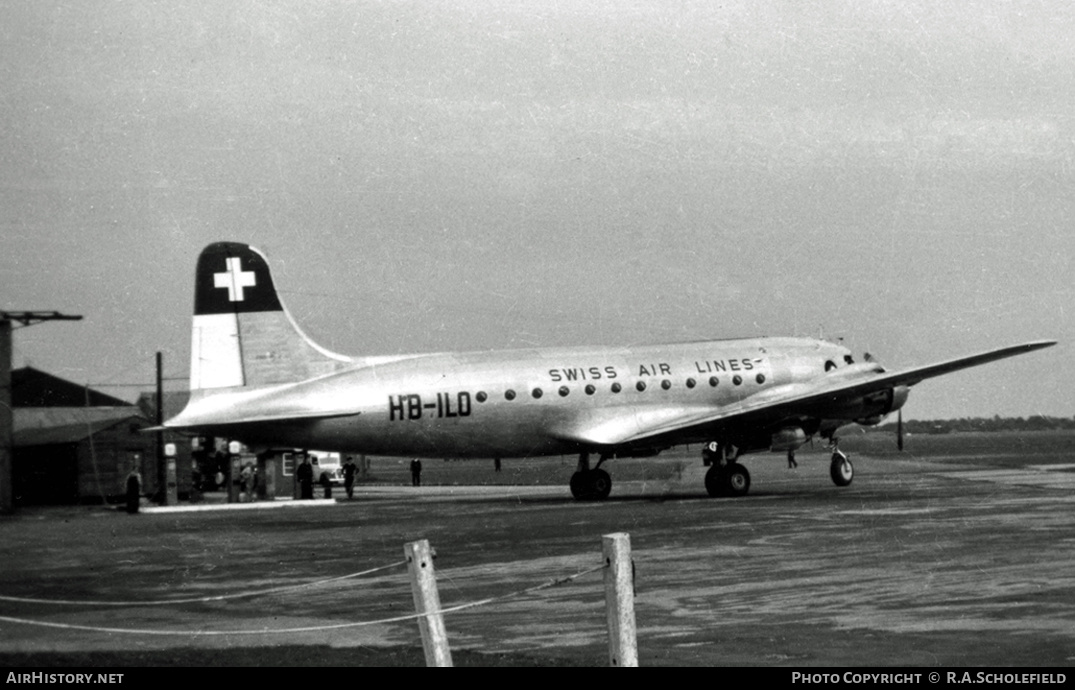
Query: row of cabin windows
x,y
617,387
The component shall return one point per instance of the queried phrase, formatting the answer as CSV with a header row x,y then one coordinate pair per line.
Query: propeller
x,y
899,430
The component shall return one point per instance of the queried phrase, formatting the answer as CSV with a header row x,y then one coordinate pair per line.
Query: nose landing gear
x,y
841,470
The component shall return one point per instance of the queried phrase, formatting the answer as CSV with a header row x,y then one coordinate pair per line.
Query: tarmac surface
x,y
951,554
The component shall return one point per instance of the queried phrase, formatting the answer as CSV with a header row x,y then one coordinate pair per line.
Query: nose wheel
x,y
841,470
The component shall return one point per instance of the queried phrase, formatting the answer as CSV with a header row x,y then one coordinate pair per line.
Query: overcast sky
x,y
471,175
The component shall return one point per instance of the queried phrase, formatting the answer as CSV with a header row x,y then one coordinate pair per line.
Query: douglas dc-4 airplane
x,y
255,377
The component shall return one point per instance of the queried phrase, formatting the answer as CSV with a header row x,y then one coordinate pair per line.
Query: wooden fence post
x,y
620,599
427,600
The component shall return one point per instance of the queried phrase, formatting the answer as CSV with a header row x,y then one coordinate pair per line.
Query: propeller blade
x,y
899,430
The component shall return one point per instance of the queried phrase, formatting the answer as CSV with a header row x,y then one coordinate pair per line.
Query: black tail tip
x,y
233,278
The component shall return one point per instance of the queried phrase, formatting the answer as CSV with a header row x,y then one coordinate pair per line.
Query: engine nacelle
x,y
788,438
876,406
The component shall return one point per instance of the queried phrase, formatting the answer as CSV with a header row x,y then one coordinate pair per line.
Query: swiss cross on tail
x,y
233,278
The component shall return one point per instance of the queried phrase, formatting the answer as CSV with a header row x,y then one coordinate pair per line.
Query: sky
x,y
431,176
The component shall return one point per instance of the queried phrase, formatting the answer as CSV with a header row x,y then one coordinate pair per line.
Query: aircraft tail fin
x,y
242,335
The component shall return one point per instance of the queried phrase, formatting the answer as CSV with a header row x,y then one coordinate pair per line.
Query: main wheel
x,y
714,481
841,470
736,479
579,485
600,485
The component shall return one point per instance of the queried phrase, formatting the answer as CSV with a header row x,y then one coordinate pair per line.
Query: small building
x,y
79,454
73,444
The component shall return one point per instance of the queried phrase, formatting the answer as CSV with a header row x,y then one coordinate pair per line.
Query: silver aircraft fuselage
x,y
526,402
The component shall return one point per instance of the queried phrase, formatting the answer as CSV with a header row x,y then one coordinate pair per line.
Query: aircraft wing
x,y
621,426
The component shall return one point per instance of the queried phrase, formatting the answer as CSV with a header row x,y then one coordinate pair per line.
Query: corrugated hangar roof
x,y
39,426
33,388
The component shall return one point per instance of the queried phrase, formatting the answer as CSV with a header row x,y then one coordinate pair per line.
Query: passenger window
x,y
691,383
713,381
760,378
616,387
564,390
641,386
536,393
590,389
509,394
666,384
481,396
737,380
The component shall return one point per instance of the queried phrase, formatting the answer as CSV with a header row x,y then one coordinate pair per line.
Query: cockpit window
x,y
849,359
830,365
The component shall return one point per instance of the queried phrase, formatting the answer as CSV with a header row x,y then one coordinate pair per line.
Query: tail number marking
x,y
409,406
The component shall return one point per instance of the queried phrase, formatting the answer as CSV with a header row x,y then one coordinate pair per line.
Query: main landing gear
x,y
590,484
725,477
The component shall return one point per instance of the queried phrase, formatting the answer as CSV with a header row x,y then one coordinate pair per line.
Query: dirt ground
x,y
957,552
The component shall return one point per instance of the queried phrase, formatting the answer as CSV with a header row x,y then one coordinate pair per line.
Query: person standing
x,y
416,472
134,491
349,470
196,481
305,476
248,478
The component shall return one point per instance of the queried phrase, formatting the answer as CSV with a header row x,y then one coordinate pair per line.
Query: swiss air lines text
x,y
582,373
705,366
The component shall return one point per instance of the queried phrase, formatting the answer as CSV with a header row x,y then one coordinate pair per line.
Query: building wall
x,y
46,474
92,470
105,460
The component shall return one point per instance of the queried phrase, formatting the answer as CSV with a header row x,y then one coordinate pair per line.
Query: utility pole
x,y
166,463
7,428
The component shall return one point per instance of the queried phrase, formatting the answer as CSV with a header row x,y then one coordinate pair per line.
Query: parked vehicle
x,y
324,463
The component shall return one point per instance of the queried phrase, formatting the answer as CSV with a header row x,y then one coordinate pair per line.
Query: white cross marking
x,y
234,279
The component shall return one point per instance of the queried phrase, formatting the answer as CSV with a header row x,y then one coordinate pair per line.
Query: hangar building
x,y
73,444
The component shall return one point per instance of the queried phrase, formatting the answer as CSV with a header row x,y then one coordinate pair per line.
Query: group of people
x,y
304,475
307,474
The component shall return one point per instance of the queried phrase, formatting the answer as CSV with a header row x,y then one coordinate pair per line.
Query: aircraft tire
x,y
714,481
579,486
600,484
842,471
736,480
